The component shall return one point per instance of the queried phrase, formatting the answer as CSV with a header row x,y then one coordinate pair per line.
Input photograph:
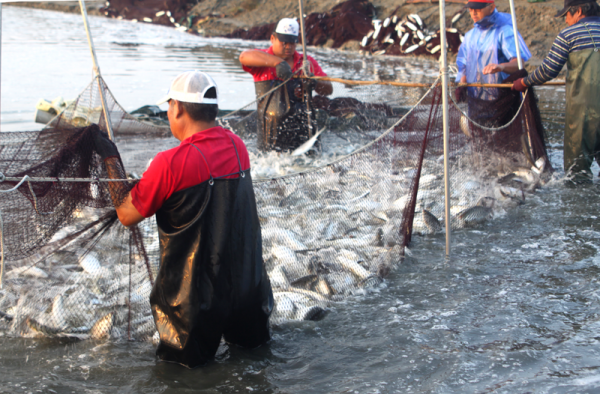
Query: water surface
x,y
513,310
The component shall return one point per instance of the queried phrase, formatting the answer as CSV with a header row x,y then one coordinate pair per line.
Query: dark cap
x,y
479,4
572,3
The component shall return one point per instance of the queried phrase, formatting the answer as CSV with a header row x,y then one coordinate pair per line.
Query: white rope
x,y
2,178
490,128
385,133
257,99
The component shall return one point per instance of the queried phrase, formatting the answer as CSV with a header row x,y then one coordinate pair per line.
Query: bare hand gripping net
x,y
334,223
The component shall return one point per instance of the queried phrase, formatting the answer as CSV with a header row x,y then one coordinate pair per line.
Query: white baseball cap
x,y
287,30
190,87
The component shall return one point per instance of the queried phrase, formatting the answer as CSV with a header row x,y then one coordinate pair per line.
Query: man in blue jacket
x,y
488,53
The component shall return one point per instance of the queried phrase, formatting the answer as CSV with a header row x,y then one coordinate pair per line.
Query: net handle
x,y
424,85
96,68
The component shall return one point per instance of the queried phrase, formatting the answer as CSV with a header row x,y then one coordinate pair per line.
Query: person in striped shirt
x,y
578,47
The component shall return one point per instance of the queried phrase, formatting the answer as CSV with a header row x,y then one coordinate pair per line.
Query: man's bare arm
x,y
509,67
126,211
256,58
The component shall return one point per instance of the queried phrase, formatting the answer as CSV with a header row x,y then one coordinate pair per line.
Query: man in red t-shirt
x,y
212,282
283,124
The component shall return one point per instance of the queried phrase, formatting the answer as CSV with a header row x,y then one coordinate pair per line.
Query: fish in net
x,y
333,224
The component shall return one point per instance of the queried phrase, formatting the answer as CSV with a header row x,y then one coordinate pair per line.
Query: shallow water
x,y
513,310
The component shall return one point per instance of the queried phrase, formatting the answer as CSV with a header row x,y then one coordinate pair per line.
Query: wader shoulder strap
x,y
211,181
240,172
592,37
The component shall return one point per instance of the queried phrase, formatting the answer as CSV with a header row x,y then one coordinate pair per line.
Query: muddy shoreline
x,y
220,17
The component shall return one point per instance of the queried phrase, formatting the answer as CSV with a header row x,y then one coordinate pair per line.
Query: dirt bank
x,y
220,17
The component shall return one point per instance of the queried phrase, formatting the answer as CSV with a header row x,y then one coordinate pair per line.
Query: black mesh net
x,y
335,219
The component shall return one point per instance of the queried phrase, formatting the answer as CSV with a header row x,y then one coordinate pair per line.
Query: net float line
x,y
424,85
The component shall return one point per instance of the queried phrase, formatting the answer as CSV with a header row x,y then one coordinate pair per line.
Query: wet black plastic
x,y
212,281
282,118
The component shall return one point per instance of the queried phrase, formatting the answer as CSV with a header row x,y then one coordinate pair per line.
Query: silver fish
x,y
41,329
102,328
90,264
371,281
404,39
411,26
305,147
511,192
417,19
28,271
377,30
354,267
313,312
431,221
59,312
279,278
539,166
474,215
456,17
283,253
411,48
464,124
364,41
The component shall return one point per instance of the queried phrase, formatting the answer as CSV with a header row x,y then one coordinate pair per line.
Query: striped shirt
x,y
582,35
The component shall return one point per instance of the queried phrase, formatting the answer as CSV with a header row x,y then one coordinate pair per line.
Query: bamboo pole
x,y
425,85
444,72
305,67
96,69
516,33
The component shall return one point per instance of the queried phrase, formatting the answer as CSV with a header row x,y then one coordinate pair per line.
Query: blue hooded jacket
x,y
491,41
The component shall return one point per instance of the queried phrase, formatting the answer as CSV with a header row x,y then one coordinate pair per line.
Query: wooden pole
x,y
305,67
96,69
426,85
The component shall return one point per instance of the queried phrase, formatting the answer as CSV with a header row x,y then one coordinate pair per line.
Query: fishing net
x,y
335,218
337,229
